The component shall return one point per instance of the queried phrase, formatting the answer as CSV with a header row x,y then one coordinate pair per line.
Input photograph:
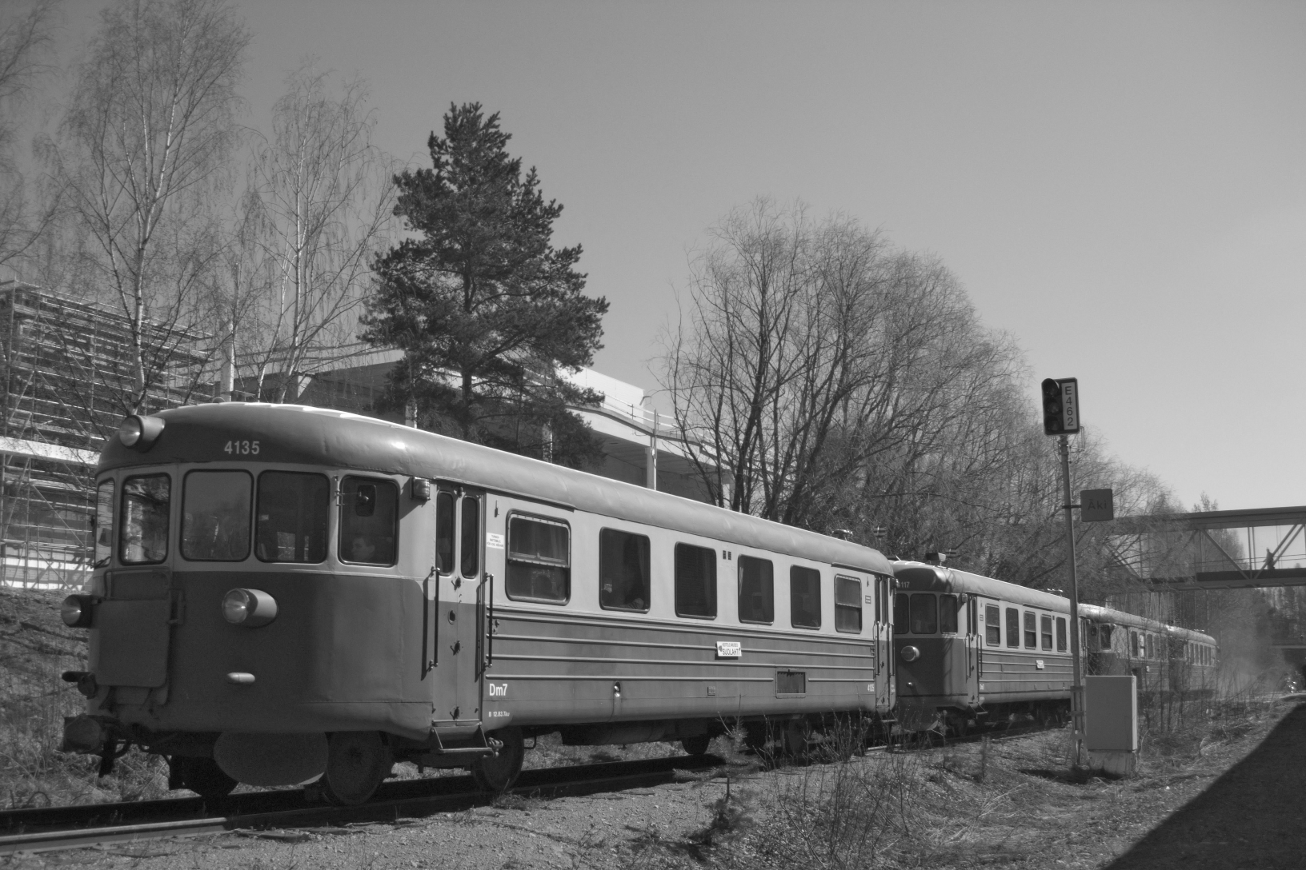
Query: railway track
x,y
56,828
60,828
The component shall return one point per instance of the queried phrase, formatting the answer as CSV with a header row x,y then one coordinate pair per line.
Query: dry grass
x,y
35,648
1019,803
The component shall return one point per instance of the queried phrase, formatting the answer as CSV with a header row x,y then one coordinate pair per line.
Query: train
x,y
973,650
286,594
282,593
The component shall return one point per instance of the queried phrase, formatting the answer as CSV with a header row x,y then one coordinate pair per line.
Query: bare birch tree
x,y
321,203
24,40
146,140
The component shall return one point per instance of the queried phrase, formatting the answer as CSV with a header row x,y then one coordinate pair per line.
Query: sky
x,y
1120,186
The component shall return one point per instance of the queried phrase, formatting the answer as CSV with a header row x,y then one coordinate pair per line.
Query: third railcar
x,y
971,649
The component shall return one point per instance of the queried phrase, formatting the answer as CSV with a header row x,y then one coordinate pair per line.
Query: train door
x,y
457,598
974,649
885,690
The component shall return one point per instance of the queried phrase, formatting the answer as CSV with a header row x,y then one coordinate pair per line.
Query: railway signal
x,y
1061,418
1061,406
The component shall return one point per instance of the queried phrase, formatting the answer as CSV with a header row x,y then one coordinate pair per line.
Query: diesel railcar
x,y
282,593
1164,658
970,649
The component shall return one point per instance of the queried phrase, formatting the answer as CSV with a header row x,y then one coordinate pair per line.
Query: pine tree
x,y
486,310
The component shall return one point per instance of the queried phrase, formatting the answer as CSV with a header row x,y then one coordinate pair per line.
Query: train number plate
x,y
728,649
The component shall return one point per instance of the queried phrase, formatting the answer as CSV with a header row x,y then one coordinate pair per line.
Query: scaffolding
x,y
69,380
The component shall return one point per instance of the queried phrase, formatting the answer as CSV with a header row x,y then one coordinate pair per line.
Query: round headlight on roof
x,y
139,431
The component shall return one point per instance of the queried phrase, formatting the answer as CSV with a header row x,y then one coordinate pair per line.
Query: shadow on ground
x,y
1252,816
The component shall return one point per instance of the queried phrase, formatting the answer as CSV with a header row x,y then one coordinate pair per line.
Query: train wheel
x,y
496,773
200,775
697,745
357,762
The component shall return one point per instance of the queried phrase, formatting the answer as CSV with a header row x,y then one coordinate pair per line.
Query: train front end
x,y
247,601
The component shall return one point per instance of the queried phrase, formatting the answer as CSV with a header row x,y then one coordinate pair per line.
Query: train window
x,y
1151,647
145,503
470,546
1104,633
695,581
369,512
539,559
291,523
756,590
924,613
215,510
1031,630
847,604
902,613
804,597
623,570
1013,627
1061,634
992,625
103,523
948,614
1133,644
444,514
1045,631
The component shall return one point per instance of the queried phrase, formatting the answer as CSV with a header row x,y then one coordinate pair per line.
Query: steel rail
x,y
555,782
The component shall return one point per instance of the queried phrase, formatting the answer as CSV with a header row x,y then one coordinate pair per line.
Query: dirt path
x,y
1254,815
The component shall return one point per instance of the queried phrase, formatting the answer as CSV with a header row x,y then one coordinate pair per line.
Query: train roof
x,y
303,435
1111,616
922,577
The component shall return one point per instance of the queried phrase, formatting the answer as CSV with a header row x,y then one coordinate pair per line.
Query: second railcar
x,y
971,649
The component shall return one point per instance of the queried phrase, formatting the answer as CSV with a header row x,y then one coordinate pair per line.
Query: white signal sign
x,y
1070,404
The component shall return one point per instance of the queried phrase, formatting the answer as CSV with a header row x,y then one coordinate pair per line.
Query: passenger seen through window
x,y
368,514
145,506
623,570
215,516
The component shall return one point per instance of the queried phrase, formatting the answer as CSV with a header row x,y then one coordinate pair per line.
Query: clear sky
x,y
1121,186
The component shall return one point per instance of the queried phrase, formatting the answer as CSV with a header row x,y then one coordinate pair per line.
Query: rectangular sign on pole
x,y
1097,505
1070,405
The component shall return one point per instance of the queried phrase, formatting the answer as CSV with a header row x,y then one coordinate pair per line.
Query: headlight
x,y
249,607
910,653
76,611
140,432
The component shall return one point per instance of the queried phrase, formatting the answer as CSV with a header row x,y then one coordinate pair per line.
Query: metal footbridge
x,y
1234,549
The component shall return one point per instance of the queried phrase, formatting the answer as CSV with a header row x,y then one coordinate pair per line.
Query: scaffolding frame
x,y
69,381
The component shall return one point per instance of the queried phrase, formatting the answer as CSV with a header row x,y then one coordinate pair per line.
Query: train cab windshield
x,y
229,515
145,508
925,613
